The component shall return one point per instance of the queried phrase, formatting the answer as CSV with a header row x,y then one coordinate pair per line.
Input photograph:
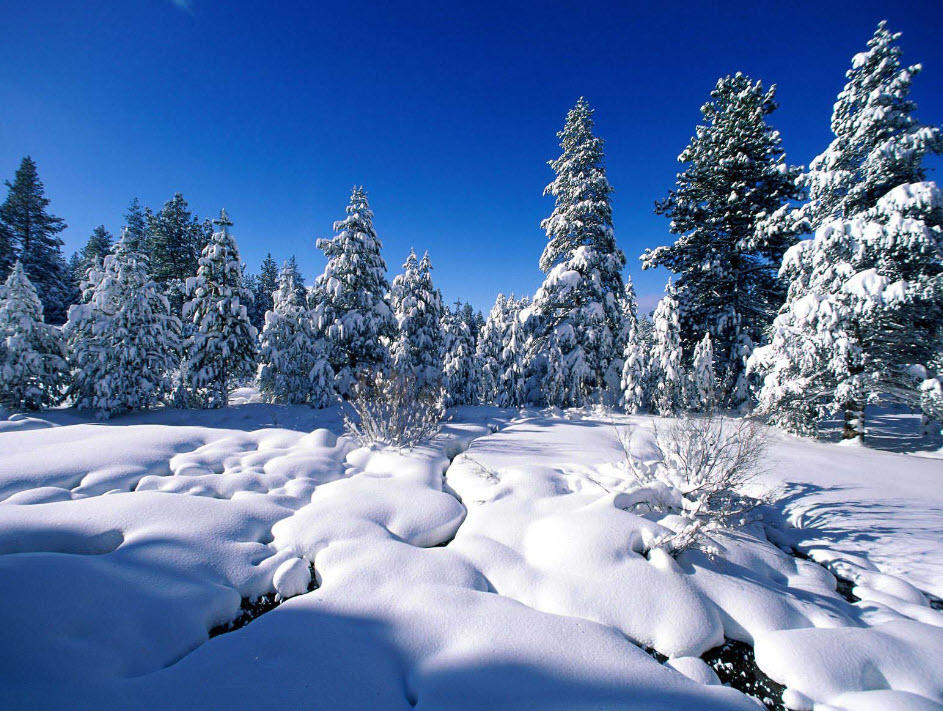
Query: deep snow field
x,y
496,568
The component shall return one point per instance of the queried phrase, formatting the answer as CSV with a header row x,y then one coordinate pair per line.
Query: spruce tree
x,y
635,362
222,346
489,349
878,143
513,390
577,309
176,238
418,349
97,247
293,367
353,311
137,228
702,384
666,370
24,220
725,261
864,318
263,287
124,343
33,370
461,374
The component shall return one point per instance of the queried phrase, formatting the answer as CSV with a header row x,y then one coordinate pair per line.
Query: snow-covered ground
x,y
494,569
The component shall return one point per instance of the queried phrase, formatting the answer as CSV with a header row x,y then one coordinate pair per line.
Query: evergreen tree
x,y
864,316
137,222
32,353
474,320
222,346
418,350
878,143
726,262
577,309
97,247
489,350
460,368
353,312
176,238
34,234
123,341
667,375
264,287
703,383
635,363
293,367
514,352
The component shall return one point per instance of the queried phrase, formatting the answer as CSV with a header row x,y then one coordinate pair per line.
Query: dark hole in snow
x,y
843,587
250,609
735,665
935,602
655,654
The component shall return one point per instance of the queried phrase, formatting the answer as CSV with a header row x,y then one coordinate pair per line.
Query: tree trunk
x,y
854,421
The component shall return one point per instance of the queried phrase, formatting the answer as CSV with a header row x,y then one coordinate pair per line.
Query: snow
x,y
501,566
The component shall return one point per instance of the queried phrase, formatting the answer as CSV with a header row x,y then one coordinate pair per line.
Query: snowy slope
x,y
515,581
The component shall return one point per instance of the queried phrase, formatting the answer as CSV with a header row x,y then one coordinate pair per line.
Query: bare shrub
x,y
391,409
701,471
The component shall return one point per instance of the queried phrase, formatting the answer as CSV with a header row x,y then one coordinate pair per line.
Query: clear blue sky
x,y
445,112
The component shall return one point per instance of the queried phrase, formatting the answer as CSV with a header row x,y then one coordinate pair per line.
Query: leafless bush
x,y
701,470
391,409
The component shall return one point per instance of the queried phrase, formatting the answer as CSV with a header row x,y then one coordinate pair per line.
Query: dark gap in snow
x,y
935,602
843,586
655,654
250,609
735,665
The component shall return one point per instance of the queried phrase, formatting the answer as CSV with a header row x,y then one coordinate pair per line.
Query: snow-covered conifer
x,y
489,349
878,143
635,358
666,371
123,341
864,317
735,176
353,311
577,309
222,346
512,386
293,366
460,371
32,353
702,383
418,349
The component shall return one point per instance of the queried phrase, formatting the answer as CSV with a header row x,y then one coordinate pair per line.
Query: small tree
x,y
702,383
123,341
667,374
635,362
418,349
460,371
293,367
32,355
490,346
222,347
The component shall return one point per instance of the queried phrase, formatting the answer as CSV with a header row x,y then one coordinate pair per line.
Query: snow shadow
x,y
890,428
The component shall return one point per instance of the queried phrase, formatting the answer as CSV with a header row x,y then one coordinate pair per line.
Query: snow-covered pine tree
x,y
33,369
264,285
702,384
136,231
864,318
489,349
34,233
474,320
176,238
293,366
460,371
221,348
353,312
98,246
124,343
878,143
419,348
735,177
666,370
512,386
577,309
635,360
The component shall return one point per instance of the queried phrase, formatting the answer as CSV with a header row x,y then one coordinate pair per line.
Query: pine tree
x,y
35,237
263,286
702,385
222,346
353,312
460,368
878,143
667,374
515,347
418,349
635,362
32,353
137,227
577,309
726,260
176,238
864,316
474,320
293,367
124,343
98,246
489,349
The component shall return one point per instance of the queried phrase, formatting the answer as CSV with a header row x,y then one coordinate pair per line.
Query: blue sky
x,y
445,112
